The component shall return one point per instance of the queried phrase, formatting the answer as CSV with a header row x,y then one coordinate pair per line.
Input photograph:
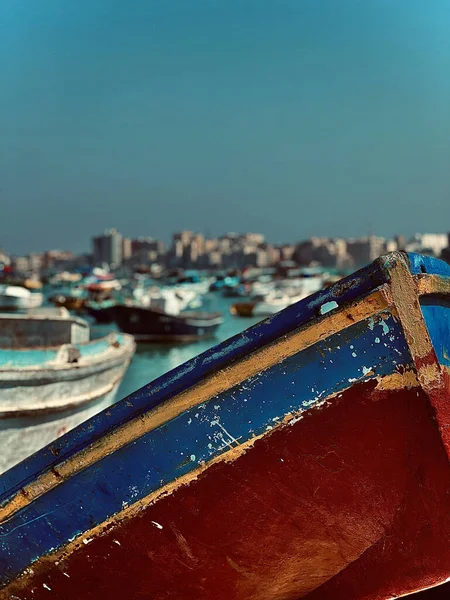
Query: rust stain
x,y
210,386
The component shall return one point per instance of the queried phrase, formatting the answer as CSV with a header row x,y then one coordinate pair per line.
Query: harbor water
x,y
152,360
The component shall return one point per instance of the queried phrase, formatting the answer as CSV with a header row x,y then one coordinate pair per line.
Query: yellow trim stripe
x,y
432,284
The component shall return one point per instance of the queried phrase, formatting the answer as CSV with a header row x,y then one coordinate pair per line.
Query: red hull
x,y
325,509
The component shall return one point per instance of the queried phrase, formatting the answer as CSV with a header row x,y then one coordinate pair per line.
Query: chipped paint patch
x,y
407,379
328,306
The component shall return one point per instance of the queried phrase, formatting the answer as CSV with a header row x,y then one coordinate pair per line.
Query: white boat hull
x,y
20,303
21,437
40,403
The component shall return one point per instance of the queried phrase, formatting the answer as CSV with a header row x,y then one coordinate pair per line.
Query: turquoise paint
x,y
41,357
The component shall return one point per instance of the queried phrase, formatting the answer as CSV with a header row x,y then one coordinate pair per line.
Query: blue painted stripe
x,y
427,264
345,291
198,435
436,312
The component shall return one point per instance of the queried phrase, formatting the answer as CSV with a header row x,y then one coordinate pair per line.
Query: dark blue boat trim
x,y
201,434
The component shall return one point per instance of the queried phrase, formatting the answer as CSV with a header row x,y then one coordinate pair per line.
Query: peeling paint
x,y
328,306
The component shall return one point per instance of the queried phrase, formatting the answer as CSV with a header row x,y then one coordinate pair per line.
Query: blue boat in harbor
x,y
307,457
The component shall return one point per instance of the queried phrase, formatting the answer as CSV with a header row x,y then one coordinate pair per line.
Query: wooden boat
x,y
14,297
242,309
153,325
53,378
305,458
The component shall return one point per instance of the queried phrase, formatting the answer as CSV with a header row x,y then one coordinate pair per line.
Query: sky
x,y
287,117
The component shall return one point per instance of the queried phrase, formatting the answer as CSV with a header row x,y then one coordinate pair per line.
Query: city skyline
x,y
290,118
192,250
86,247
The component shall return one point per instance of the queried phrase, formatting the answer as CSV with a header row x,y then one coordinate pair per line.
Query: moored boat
x,y
305,458
101,311
52,378
276,300
171,300
273,303
15,297
71,299
154,325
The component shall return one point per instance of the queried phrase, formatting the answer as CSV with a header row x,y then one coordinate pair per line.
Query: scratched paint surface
x,y
313,503
183,377
374,347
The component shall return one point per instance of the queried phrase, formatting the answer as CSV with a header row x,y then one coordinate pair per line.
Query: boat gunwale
x,y
87,398
27,317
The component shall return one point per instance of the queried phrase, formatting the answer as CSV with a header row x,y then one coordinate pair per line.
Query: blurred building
x,y
57,259
428,243
107,249
329,252
365,250
21,264
4,259
126,248
145,252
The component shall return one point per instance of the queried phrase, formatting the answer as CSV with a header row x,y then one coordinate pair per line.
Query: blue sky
x,y
290,117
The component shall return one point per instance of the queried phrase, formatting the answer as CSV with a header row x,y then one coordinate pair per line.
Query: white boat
x,y
52,378
274,302
15,297
171,300
278,299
